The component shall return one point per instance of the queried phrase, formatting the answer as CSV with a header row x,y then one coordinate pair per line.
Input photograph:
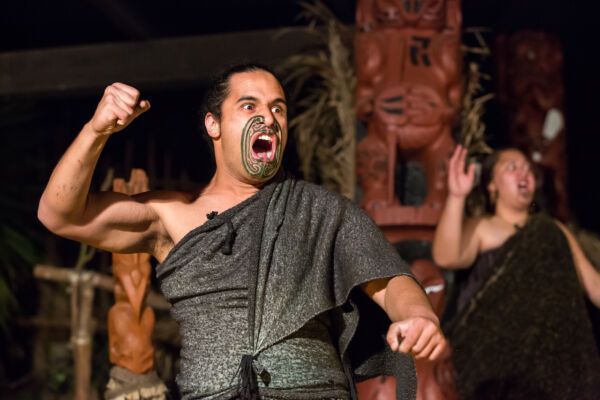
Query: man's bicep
x,y
115,222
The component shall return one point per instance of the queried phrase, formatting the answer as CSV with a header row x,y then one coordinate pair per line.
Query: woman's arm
x,y
588,276
455,243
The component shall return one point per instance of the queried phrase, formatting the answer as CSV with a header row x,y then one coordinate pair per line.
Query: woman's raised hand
x,y
460,182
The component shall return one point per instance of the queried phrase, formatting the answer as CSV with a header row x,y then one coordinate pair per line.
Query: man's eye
x,y
278,110
248,107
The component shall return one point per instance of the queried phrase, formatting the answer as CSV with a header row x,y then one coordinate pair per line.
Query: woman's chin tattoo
x,y
261,148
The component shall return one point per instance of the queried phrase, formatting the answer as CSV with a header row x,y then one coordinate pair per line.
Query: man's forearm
x,y
415,328
404,299
66,192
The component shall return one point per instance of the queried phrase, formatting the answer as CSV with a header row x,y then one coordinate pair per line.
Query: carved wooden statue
x,y
408,65
130,320
531,89
409,69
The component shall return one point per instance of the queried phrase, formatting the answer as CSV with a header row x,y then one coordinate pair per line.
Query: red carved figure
x,y
130,321
409,84
531,89
409,65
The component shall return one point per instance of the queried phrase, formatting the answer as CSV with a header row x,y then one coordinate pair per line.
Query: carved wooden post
x,y
409,67
531,90
408,64
130,320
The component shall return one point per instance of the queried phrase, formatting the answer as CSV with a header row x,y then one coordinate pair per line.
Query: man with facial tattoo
x,y
282,290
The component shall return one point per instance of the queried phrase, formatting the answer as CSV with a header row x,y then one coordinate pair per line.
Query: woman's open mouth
x,y
524,187
264,146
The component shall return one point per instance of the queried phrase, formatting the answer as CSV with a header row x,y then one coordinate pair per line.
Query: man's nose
x,y
269,117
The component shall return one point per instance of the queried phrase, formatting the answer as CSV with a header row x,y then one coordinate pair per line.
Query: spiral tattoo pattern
x,y
255,167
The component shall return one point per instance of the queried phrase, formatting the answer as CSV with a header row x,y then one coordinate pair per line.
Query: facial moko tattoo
x,y
261,148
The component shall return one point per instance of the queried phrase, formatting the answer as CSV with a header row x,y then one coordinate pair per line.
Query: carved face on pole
x,y
421,13
251,133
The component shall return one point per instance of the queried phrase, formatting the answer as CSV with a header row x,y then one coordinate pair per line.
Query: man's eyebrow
x,y
246,98
280,100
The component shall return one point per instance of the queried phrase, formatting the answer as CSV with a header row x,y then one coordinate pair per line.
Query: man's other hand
x,y
418,336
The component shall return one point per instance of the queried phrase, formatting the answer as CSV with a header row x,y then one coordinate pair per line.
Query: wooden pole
x,y
82,285
82,340
100,281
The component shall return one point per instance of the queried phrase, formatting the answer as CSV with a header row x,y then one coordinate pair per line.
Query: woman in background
x,y
521,327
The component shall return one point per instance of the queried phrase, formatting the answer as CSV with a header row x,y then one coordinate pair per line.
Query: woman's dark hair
x,y
485,178
218,90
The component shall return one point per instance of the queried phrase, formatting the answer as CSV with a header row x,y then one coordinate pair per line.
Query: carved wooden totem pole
x,y
409,68
130,320
531,90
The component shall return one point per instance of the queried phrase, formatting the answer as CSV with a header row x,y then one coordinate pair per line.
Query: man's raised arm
x,y
107,220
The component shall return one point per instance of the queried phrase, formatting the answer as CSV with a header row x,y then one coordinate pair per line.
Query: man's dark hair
x,y
218,90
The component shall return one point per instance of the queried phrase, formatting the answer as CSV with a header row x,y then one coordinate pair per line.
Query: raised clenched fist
x,y
119,106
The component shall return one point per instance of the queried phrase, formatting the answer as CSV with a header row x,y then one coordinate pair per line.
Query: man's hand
x,y
418,336
118,107
416,330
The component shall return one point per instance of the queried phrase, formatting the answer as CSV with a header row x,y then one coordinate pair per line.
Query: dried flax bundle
x,y
323,82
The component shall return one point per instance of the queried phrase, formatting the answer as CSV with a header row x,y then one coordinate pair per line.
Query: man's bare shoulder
x,y
160,199
177,214
167,195
175,209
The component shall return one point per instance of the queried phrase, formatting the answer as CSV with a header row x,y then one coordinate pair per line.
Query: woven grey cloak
x,y
313,250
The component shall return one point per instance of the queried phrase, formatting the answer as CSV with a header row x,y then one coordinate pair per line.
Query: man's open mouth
x,y
264,146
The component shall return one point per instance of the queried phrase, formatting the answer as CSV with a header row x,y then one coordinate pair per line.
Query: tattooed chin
x,y
261,147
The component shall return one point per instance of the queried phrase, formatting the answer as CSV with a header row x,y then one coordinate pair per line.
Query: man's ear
x,y
211,122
